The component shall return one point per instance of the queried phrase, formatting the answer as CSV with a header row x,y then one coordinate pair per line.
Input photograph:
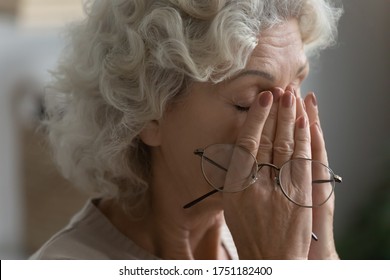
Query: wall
x,y
352,81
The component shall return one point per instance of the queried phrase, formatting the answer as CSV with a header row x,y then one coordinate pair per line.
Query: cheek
x,y
196,127
224,128
190,129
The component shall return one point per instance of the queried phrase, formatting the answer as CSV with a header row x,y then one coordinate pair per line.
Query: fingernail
x,y
314,99
287,99
265,98
302,122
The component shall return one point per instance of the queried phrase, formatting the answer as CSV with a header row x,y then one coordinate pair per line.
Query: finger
x,y
302,133
312,108
268,136
318,143
318,148
301,107
322,216
249,137
248,140
284,139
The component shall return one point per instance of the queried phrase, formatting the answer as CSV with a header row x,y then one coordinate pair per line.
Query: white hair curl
x,y
129,58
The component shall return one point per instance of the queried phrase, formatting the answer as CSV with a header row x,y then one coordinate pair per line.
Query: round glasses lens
x,y
295,182
228,168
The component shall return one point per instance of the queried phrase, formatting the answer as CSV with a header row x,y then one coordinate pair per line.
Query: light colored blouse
x,y
91,236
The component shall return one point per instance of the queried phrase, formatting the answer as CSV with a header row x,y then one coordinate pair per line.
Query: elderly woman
x,y
184,120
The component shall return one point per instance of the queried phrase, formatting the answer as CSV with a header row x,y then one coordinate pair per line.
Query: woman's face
x,y
210,114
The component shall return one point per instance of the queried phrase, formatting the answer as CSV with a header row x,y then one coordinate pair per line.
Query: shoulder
x,y
90,236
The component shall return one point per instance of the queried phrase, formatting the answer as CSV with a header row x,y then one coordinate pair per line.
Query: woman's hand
x,y
263,222
323,216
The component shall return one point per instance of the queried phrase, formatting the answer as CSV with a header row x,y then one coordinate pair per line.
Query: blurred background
x,y
351,80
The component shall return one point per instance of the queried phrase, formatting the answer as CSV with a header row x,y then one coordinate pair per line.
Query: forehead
x,y
279,50
281,35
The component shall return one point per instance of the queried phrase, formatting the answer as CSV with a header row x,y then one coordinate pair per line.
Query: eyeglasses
x,y
216,159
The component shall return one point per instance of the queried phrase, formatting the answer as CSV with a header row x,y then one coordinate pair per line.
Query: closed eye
x,y
241,108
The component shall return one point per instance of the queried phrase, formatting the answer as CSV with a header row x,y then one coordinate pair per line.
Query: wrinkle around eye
x,y
242,102
242,109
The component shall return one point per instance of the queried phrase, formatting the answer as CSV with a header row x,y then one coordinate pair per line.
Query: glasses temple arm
x,y
336,178
200,152
199,199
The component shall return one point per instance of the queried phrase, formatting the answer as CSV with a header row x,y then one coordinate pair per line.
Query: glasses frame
x,y
200,152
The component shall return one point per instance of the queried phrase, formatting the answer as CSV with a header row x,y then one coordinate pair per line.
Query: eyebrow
x,y
267,75
260,73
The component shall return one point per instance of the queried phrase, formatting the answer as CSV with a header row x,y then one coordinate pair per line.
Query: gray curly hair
x,y
129,58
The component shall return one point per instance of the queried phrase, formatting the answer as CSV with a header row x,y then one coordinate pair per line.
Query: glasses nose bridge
x,y
272,166
261,165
